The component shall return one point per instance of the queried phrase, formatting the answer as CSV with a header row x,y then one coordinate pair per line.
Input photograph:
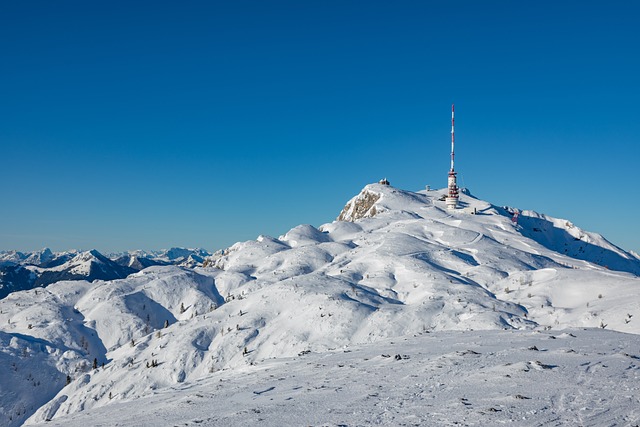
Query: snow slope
x,y
397,266
581,377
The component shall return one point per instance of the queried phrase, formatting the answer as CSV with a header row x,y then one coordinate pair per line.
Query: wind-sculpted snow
x,y
488,378
562,236
411,269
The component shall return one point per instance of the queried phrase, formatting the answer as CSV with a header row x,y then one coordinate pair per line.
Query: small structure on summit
x,y
384,181
453,190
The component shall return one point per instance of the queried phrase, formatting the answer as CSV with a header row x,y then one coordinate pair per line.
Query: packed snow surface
x,y
316,325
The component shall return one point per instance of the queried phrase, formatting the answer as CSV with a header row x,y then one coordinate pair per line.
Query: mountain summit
x,y
557,235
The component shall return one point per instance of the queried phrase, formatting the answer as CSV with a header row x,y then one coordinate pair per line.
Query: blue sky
x,y
130,125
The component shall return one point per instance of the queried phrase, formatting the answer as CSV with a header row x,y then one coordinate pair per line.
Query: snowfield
x,y
401,313
583,377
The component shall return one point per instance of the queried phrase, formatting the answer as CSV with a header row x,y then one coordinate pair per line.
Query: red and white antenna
x,y
452,196
453,139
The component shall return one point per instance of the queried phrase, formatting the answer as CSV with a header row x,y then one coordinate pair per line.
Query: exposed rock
x,y
361,206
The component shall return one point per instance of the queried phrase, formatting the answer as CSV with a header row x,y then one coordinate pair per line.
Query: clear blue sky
x,y
150,124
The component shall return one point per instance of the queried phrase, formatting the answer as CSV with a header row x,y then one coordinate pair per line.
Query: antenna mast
x,y
453,138
452,196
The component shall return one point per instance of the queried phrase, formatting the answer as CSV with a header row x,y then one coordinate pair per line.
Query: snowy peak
x,y
178,255
40,257
557,235
137,262
11,257
375,199
140,259
89,256
88,265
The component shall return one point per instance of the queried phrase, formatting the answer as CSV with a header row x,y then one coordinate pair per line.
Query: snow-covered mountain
x,y
43,268
40,258
184,257
396,267
23,271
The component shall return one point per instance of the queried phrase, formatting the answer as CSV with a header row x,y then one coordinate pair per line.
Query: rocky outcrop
x,y
361,206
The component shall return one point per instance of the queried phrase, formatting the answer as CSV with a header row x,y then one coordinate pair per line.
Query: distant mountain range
x,y
23,271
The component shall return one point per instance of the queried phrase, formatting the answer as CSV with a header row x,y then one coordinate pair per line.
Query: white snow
x,y
583,377
293,330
